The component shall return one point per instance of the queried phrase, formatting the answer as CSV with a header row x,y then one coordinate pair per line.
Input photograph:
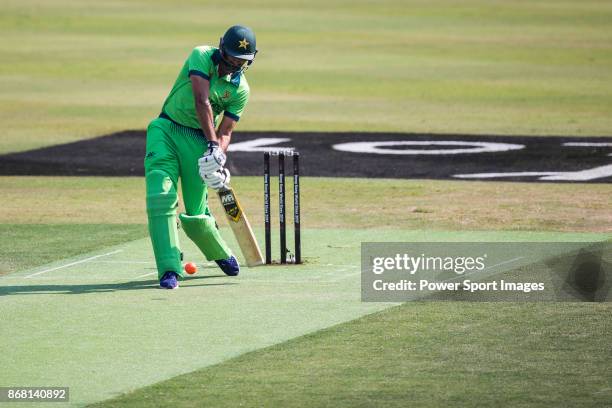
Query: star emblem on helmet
x,y
243,43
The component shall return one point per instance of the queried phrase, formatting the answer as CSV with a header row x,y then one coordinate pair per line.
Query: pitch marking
x,y
73,263
146,274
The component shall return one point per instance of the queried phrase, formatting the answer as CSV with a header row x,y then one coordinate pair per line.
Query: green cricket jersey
x,y
228,95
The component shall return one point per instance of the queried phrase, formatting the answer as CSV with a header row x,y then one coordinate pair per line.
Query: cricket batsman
x,y
189,141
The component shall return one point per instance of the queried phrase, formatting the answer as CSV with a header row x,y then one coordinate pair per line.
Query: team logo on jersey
x,y
226,95
243,44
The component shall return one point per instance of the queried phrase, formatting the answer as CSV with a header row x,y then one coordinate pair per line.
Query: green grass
x,y
27,245
522,354
418,355
333,202
476,66
94,212
132,335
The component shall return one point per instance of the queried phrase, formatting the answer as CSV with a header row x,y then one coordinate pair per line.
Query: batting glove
x,y
219,179
213,160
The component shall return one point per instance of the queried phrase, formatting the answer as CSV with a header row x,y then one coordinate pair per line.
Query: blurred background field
x,y
74,69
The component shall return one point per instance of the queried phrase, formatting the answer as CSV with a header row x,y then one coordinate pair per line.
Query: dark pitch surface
x,y
121,154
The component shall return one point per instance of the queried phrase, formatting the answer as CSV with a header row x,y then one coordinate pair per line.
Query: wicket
x,y
297,258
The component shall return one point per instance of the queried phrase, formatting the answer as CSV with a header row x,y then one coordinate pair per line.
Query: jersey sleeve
x,y
199,63
236,107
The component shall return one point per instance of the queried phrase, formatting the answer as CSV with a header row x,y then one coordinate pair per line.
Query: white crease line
x,y
146,274
504,262
73,263
125,262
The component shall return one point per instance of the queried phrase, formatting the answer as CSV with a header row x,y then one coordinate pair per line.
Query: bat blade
x,y
241,227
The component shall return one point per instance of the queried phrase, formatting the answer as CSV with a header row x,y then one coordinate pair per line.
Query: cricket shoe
x,y
229,266
169,280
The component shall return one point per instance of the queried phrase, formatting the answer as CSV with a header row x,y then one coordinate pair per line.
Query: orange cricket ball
x,y
191,268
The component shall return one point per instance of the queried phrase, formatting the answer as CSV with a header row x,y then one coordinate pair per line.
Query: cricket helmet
x,y
239,42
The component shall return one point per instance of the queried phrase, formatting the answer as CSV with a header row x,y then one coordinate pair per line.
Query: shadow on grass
x,y
102,287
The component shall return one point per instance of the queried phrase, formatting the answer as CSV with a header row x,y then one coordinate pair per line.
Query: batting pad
x,y
162,201
202,230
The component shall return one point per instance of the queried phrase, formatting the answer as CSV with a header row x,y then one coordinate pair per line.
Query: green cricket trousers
x,y
172,153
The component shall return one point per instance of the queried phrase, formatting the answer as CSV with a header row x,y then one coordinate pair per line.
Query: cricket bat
x,y
241,227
